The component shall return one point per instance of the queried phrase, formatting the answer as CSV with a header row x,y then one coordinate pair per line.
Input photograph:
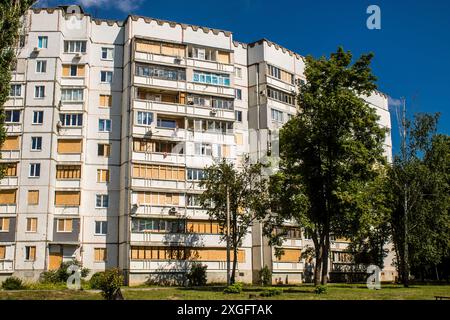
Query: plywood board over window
x,y
290,255
69,146
105,100
100,254
8,196
11,170
33,197
2,252
11,143
223,57
4,224
67,198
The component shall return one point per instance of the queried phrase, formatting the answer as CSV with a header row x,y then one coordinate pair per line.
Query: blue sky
x,y
412,49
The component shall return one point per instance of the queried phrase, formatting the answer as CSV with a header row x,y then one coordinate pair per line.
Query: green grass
x,y
301,292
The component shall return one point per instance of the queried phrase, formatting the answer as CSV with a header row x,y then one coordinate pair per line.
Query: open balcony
x,y
6,266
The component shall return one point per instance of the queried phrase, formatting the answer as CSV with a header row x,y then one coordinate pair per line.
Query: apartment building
x,y
110,125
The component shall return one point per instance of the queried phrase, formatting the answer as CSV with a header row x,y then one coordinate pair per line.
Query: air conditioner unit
x,y
177,60
36,49
213,111
172,211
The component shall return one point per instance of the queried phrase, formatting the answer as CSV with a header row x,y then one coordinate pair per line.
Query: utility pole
x,y
405,204
228,236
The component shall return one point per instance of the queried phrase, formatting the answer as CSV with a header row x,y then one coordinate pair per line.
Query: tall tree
x,y
11,12
420,196
330,153
248,200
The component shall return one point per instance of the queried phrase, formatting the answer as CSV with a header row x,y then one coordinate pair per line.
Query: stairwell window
x,y
102,175
36,143
16,90
39,92
106,76
35,170
30,253
107,53
42,42
104,125
41,66
101,227
38,117
101,201
64,225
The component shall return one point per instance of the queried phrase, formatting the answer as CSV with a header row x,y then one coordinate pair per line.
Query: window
x,y
238,94
280,96
277,115
106,76
193,200
102,175
36,143
39,91
69,146
33,197
35,170
105,100
41,66
71,119
166,123
30,253
238,116
31,224
219,103
38,117
144,118
103,150
16,90
72,94
101,227
104,125
203,149
74,46
280,74
68,172
238,72
107,53
12,116
2,252
64,225
100,254
4,224
199,53
101,201
67,198
195,174
161,72
42,42
158,225
211,78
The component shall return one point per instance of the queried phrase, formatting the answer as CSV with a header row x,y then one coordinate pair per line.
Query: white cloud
x,y
123,5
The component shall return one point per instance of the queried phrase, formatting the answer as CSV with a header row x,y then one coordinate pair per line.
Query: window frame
x,y
36,143
36,172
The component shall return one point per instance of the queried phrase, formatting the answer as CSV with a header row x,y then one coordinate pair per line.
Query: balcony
x,y
161,83
171,158
9,181
213,65
288,266
159,132
15,102
280,84
6,266
69,183
13,127
292,243
176,265
210,89
10,154
8,208
72,81
186,239
67,210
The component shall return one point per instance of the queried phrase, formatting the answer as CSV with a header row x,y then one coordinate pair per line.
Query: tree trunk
x,y
325,254
235,260
318,264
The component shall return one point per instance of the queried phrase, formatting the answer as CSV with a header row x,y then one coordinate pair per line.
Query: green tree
x,y
419,196
331,154
11,12
248,200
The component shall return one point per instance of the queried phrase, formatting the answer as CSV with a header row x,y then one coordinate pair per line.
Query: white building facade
x,y
110,125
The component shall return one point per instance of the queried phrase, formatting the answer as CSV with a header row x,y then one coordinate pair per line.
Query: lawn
x,y
301,292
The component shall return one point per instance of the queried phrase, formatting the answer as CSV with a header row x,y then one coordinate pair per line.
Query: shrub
x,y
234,288
12,283
61,275
197,275
109,282
320,290
265,274
271,292
95,281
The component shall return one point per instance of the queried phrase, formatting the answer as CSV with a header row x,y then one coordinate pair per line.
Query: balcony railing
x,y
6,266
8,208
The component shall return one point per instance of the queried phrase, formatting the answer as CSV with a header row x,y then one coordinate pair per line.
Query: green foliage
x,y
270,292
249,199
234,288
320,290
95,281
331,155
13,283
265,274
197,275
109,282
61,274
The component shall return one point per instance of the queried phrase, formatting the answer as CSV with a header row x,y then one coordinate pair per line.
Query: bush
x,y
271,292
265,274
320,290
61,275
197,275
12,283
95,281
234,288
109,282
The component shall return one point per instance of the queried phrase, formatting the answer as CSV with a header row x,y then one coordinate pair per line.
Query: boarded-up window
x,y
33,197
100,254
225,151
103,150
4,224
30,253
11,170
105,100
2,252
238,138
67,198
158,172
180,253
64,172
172,50
215,255
11,143
223,57
161,48
160,198
71,70
69,146
149,47
102,175
64,225
31,224
290,255
7,196
203,227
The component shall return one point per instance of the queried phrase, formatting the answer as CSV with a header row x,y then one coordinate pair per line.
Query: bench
x,y
442,298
